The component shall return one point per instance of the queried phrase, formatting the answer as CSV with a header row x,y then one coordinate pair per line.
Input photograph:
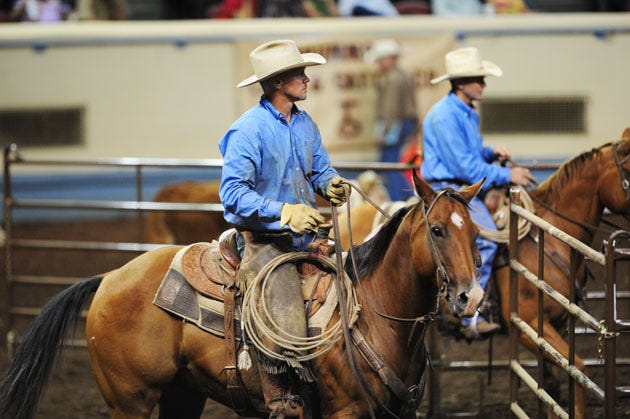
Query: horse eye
x,y
437,231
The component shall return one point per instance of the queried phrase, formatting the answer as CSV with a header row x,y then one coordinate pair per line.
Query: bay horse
x,y
143,356
571,199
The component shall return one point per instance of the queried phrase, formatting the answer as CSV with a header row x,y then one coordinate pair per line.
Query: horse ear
x,y
424,190
469,192
626,134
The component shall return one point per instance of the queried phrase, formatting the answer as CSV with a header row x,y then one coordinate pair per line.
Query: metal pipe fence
x,y
10,312
608,329
12,158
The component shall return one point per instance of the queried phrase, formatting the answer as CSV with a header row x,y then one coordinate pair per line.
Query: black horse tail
x,y
30,370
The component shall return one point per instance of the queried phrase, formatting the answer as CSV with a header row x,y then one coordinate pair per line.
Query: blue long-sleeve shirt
x,y
453,147
268,162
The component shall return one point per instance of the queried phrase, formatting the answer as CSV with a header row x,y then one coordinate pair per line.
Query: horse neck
x,y
397,290
576,196
395,284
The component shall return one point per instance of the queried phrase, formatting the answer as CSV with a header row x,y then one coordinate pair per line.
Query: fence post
x,y
6,325
513,336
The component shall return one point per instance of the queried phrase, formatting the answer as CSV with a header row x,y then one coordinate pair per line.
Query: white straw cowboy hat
x,y
467,62
275,57
381,49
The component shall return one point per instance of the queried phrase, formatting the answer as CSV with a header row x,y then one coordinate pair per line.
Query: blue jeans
x,y
487,248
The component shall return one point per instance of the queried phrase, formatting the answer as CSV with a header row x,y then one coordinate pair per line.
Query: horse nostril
x,y
462,299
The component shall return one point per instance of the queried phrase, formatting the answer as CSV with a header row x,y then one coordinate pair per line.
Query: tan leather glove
x,y
300,218
336,192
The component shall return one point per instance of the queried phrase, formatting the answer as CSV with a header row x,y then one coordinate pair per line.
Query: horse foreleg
x,y
181,402
551,335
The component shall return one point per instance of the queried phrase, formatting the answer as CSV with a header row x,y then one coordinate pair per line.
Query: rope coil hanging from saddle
x,y
256,315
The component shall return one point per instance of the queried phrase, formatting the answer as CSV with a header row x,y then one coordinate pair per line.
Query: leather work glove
x,y
336,192
300,218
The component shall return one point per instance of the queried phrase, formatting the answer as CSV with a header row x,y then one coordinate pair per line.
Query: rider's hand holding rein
x,y
521,176
502,153
300,218
518,175
336,192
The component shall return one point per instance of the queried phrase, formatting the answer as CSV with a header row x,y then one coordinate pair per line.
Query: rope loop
x,y
257,318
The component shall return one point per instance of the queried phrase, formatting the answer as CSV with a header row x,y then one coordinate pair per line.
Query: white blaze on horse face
x,y
457,220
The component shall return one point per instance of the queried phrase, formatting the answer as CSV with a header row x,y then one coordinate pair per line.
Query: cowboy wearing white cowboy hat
x,y
467,62
273,164
454,154
276,57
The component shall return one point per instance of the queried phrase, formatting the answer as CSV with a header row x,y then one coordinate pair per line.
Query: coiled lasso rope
x,y
503,236
255,312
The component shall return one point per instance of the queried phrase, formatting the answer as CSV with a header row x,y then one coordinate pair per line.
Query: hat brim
x,y
309,59
371,56
488,68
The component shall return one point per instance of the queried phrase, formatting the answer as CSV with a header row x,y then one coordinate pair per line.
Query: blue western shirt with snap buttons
x,y
453,147
268,162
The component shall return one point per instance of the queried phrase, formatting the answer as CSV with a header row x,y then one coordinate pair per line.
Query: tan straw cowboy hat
x,y
381,49
467,62
275,57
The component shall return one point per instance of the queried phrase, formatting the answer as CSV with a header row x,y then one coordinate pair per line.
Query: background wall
x,y
166,89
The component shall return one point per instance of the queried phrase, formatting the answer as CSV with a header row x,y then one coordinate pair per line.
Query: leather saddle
x,y
195,285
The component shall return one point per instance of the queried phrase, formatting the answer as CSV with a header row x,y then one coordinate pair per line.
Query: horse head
x,y
447,236
614,182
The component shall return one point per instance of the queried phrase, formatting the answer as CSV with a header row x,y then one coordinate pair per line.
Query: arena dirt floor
x,y
72,392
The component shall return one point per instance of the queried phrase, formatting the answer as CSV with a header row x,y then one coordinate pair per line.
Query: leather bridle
x,y
409,396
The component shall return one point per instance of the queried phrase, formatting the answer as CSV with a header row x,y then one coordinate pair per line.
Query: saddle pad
x,y
177,296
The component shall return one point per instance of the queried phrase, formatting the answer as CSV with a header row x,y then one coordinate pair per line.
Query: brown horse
x,y
185,227
142,356
575,196
579,190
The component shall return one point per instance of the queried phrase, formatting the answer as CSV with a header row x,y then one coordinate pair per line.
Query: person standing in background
x,y
397,122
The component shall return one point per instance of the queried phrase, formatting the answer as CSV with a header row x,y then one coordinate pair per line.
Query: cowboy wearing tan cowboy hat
x,y
274,163
454,154
396,125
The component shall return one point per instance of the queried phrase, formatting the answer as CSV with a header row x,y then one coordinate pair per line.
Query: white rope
x,y
503,236
257,318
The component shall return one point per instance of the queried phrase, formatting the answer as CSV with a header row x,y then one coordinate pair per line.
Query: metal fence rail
x,y
9,312
608,329
12,158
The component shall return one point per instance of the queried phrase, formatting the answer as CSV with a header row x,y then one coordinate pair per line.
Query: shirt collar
x,y
459,104
277,114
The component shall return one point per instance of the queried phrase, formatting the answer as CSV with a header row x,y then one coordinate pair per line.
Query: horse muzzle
x,y
465,303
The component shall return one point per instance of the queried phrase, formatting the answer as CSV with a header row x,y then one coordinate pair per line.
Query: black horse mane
x,y
368,255
548,191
